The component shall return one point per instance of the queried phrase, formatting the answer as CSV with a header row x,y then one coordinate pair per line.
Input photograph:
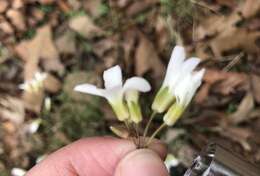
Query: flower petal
x,y
137,83
190,64
176,60
113,77
90,89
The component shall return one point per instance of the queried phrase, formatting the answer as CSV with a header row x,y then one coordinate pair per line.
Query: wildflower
x,y
183,92
177,70
34,85
115,90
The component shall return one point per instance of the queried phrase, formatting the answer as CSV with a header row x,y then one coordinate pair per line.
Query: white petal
x,y
113,77
190,64
89,88
197,76
137,83
174,66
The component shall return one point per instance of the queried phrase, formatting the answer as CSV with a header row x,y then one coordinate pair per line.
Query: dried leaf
x,y
40,48
52,84
226,82
237,134
12,109
85,26
244,108
17,19
147,59
255,82
3,5
33,101
66,43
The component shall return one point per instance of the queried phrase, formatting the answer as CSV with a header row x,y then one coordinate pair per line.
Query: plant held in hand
x,y
178,88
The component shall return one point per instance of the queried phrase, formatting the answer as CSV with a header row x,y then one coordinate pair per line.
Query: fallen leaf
x,y
255,82
3,5
84,25
237,134
33,101
139,6
66,43
244,108
92,7
226,82
147,59
6,28
17,19
51,84
40,48
12,109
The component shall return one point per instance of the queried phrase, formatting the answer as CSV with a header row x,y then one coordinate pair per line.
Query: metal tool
x,y
216,160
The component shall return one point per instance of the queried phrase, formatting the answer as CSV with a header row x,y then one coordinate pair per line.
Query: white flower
x,y
115,90
35,84
183,92
177,70
18,172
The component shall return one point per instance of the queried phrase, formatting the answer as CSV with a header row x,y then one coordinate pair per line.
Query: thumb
x,y
143,162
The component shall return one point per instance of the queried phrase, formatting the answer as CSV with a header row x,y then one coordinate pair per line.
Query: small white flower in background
x,y
171,161
34,85
18,172
177,70
34,126
184,92
47,104
115,91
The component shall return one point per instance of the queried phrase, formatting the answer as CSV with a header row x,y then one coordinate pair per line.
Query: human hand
x,y
103,156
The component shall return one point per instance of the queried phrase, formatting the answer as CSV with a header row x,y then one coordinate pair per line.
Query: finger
x,y
143,162
91,156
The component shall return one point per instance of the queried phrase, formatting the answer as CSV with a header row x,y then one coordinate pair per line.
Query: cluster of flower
x,y
176,92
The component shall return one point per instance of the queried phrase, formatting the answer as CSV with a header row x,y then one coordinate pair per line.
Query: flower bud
x,y
173,114
163,100
132,97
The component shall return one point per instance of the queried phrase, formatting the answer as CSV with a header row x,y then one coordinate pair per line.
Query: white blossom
x,y
35,84
184,92
114,90
178,68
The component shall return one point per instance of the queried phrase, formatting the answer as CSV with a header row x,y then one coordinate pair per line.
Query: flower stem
x,y
155,133
149,123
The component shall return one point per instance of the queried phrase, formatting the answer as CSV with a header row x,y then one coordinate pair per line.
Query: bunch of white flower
x,y
178,88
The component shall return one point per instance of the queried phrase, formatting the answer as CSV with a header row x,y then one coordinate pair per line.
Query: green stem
x,y
155,133
149,123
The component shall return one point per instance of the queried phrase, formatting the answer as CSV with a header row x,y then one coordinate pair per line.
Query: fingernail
x,y
143,162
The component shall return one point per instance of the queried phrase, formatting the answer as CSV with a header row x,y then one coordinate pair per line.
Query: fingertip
x,y
142,162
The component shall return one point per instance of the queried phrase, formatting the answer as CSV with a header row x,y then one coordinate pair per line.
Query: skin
x,y
103,156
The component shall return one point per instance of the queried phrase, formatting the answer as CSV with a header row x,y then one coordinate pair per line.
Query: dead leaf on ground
x,y
40,49
33,101
255,82
84,25
92,7
237,134
147,59
244,108
17,19
3,5
52,84
222,82
139,6
66,43
12,109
